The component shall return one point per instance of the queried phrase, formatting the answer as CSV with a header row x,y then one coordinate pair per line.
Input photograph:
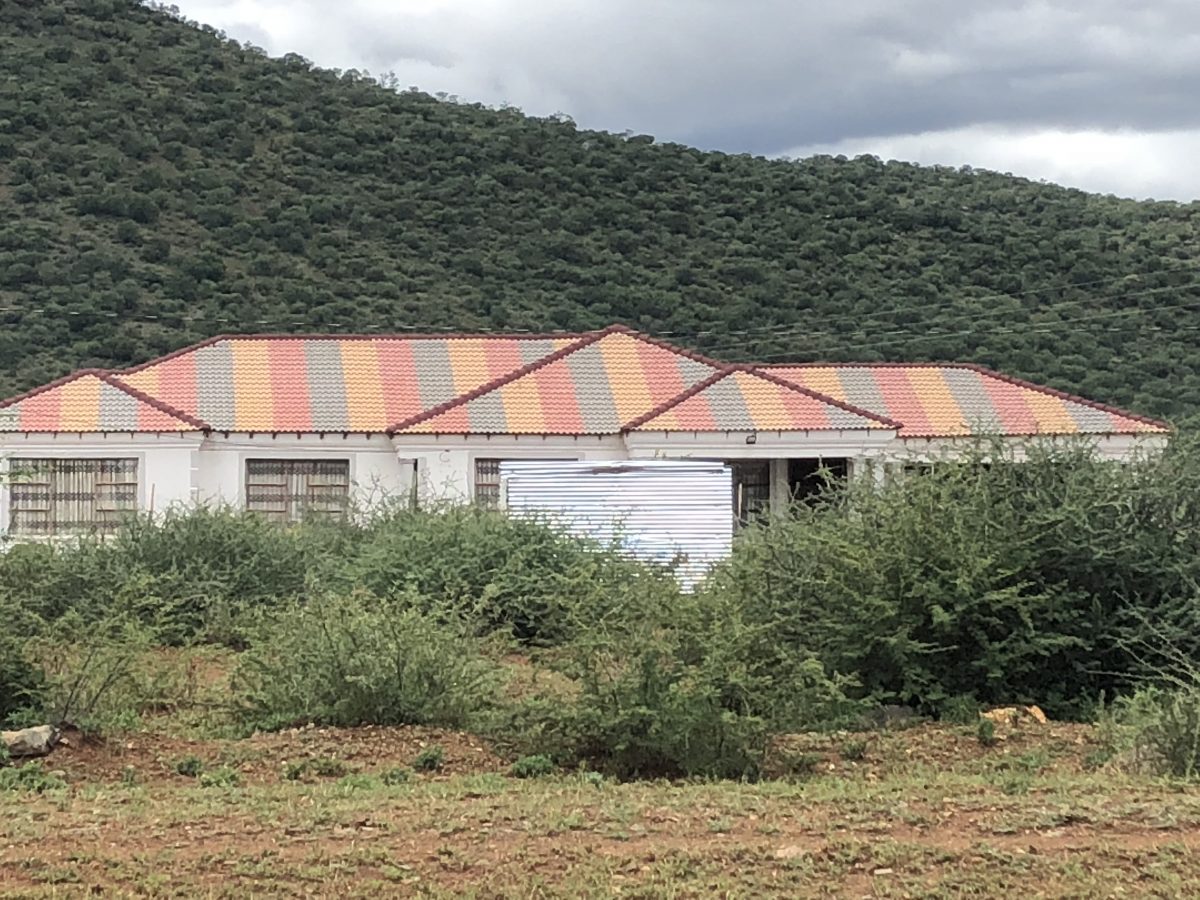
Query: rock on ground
x,y
37,741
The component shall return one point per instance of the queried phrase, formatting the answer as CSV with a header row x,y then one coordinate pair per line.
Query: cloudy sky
x,y
1098,94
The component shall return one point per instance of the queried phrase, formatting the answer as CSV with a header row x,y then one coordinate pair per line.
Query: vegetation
x,y
360,660
160,183
1060,581
986,582
978,583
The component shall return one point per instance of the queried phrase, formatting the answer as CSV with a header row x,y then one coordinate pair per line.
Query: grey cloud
x,y
764,75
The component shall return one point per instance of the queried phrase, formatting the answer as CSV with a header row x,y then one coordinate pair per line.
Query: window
x,y
487,477
65,496
751,488
487,482
290,489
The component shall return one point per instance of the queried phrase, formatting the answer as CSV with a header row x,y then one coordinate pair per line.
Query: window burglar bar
x,y
288,490
69,496
751,489
487,482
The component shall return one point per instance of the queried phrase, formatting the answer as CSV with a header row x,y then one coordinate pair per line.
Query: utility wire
x,y
767,332
1038,328
948,303
733,346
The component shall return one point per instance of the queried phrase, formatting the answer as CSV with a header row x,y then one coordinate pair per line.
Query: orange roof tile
x,y
742,399
593,383
593,386
91,401
954,400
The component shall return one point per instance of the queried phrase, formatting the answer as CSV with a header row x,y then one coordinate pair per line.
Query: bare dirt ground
x,y
924,812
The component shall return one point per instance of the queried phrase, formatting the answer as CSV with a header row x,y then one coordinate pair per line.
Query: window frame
x,y
107,507
475,460
289,511
743,513
490,500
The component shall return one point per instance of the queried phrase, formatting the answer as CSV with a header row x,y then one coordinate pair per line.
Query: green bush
x,y
189,766
960,710
20,681
31,778
358,660
431,759
1009,582
533,766
1161,728
985,732
396,776
321,766
92,672
188,574
516,574
690,693
220,777
853,750
197,573
799,764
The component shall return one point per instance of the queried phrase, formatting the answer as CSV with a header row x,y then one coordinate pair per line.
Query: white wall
x,y
179,469
446,463
1116,447
167,463
376,472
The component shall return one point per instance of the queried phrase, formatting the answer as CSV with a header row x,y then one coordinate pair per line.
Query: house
x,y
292,424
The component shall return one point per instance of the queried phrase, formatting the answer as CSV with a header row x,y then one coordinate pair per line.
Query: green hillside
x,y
159,183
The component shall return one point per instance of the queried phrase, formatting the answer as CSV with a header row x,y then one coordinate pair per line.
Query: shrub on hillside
x,y
358,660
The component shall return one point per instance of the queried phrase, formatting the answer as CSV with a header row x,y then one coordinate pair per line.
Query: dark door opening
x,y
807,477
751,489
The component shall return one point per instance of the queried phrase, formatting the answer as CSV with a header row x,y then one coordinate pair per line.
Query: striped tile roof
x,y
741,399
960,400
593,383
594,386
91,401
275,383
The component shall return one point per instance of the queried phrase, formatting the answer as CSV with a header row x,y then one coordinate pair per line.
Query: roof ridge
x,y
587,340
862,365
162,406
50,385
502,380
106,377
638,421
731,369
174,354
667,345
825,398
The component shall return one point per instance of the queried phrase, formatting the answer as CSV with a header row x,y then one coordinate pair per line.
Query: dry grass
x,y
926,812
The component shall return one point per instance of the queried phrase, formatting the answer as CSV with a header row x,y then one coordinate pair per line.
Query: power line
x,y
1044,328
950,302
983,316
767,332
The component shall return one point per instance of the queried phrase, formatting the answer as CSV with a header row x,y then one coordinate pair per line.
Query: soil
x,y
927,811
264,757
